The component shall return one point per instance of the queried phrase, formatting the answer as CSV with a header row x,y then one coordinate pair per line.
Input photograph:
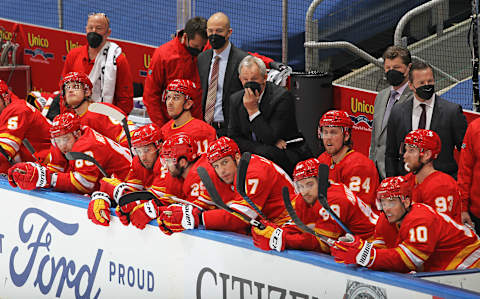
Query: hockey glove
x,y
177,218
123,212
146,212
353,250
29,176
99,208
270,238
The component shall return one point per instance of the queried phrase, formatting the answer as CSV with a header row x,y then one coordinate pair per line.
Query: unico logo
x,y
358,106
37,41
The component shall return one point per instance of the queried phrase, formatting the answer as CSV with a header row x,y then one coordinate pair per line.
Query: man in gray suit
x,y
397,61
425,110
218,70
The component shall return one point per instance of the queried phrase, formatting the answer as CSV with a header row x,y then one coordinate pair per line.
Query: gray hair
x,y
249,60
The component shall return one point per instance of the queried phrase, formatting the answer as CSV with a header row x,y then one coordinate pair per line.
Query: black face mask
x,y
193,51
395,77
217,41
254,86
94,39
425,91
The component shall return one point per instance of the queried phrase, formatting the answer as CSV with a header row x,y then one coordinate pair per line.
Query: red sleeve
x,y
218,219
123,85
465,166
154,84
296,239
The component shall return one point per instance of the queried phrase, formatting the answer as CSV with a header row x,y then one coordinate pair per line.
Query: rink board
x,y
50,249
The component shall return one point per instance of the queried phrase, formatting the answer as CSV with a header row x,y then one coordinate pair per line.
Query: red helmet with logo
x,y
424,140
398,186
64,123
221,148
76,77
146,135
186,87
178,146
336,118
306,169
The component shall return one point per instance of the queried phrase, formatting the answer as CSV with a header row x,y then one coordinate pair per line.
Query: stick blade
x,y
299,223
323,184
106,110
134,196
242,172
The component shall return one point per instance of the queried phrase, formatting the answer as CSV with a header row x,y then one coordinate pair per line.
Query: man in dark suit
x,y
218,72
396,63
425,110
262,118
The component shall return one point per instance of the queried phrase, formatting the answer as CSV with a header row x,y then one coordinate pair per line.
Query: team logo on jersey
x,y
361,119
38,55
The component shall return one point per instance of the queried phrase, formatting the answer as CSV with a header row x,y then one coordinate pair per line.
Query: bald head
x,y
219,31
219,19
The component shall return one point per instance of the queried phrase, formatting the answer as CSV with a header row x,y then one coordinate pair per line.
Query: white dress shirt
x,y
417,111
222,66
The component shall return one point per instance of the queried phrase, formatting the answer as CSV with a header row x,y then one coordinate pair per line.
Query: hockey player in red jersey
x,y
181,158
351,210
78,176
430,186
427,240
179,101
264,182
20,120
77,90
145,169
347,166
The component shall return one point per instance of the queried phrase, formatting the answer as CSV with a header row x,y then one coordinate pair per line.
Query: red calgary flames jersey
x,y
263,183
430,241
441,192
355,171
18,121
82,176
201,132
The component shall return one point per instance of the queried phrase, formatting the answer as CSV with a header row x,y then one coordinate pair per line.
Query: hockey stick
x,y
31,149
7,156
147,195
241,176
83,156
217,200
298,222
115,114
322,195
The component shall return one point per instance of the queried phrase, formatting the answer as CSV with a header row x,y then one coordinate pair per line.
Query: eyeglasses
x,y
100,14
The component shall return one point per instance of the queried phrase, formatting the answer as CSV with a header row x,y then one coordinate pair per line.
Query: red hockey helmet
x,y
178,146
336,118
76,77
146,135
424,140
398,186
221,148
306,169
64,123
183,86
